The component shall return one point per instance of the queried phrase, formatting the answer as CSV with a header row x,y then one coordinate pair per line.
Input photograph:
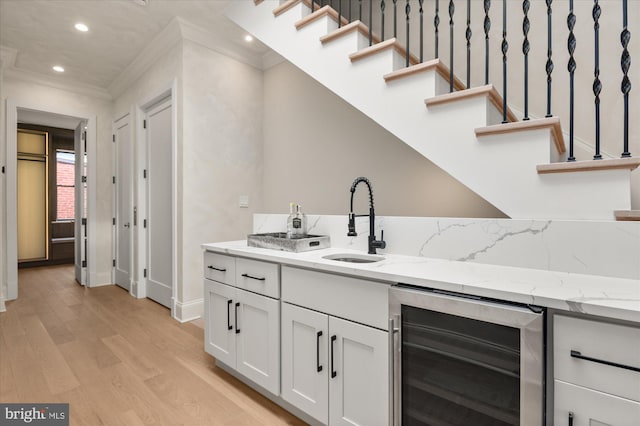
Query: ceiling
x,y
42,34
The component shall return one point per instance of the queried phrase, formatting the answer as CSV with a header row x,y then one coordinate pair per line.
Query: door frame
x,y
169,91
11,220
114,125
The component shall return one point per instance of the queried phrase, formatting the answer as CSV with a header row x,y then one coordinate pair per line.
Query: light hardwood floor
x,y
116,360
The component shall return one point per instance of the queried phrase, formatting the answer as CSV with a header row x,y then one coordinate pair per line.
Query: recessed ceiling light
x,y
248,38
81,27
58,68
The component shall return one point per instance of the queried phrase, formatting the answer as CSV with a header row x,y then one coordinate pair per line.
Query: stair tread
x,y
284,7
590,165
440,67
628,215
346,29
323,11
552,122
391,43
487,90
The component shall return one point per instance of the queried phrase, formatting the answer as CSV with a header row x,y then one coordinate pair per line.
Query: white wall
x,y
55,99
222,155
315,145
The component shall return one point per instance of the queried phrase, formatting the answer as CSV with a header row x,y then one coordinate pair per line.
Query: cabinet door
x,y
592,408
220,336
304,360
359,374
258,340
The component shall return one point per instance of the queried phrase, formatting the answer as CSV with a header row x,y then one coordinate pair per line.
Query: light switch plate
x,y
243,201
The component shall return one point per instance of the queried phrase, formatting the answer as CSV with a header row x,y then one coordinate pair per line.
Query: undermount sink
x,y
353,258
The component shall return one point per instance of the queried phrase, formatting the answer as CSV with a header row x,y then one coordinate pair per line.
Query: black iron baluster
x,y
436,23
339,13
370,22
549,65
487,27
526,4
597,84
505,48
468,37
571,66
452,10
360,10
312,4
625,63
382,7
395,18
407,11
420,2
350,11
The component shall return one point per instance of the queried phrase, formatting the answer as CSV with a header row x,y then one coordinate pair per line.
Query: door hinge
x,y
144,173
144,124
114,263
144,223
84,179
114,180
84,221
144,273
2,169
114,138
84,263
84,138
114,221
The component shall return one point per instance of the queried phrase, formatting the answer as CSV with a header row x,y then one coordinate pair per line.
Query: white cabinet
x,y
596,376
242,328
334,370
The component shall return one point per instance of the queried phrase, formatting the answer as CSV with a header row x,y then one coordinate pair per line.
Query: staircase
x,y
519,166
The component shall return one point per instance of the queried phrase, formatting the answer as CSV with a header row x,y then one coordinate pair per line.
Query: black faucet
x,y
373,243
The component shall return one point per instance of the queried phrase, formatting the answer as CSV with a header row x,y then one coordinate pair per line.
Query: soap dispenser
x,y
300,223
290,221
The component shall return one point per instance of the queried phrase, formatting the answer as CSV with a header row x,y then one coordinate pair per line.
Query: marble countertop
x,y
615,298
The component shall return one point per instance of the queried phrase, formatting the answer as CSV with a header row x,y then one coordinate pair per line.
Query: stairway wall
x,y
333,143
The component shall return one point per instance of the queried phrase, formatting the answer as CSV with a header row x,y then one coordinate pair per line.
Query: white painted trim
x,y
188,311
101,279
37,78
12,107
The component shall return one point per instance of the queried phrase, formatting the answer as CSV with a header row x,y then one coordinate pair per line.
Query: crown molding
x,y
159,46
271,59
219,44
42,79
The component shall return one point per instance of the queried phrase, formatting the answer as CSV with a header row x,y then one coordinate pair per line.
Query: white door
x,y
159,220
258,340
220,313
359,376
80,147
123,186
305,368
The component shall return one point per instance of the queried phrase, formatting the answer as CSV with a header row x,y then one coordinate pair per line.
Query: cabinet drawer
x,y
591,408
219,267
258,277
358,300
599,341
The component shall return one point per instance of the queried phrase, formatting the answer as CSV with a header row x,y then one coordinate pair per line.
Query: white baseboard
x,y
3,308
188,311
100,279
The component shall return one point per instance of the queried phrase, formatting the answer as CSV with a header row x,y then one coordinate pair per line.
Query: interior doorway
x,y
30,114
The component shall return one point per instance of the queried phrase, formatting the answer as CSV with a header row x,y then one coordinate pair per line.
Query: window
x,y
65,185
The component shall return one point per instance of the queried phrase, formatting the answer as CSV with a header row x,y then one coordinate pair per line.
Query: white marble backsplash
x,y
605,248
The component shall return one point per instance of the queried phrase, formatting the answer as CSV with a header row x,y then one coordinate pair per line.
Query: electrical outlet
x,y
243,201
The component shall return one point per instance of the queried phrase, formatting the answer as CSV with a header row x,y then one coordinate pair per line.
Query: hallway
x,y
115,359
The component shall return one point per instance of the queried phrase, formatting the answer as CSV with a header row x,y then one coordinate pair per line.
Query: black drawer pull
x,y
318,336
576,354
217,269
570,418
229,326
237,328
253,278
334,373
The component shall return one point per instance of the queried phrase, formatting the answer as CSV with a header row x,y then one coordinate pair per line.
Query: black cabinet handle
x,y
229,326
576,354
217,269
334,373
237,328
570,418
318,336
253,278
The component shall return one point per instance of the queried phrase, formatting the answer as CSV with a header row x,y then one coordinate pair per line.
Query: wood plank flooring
x,y
116,360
